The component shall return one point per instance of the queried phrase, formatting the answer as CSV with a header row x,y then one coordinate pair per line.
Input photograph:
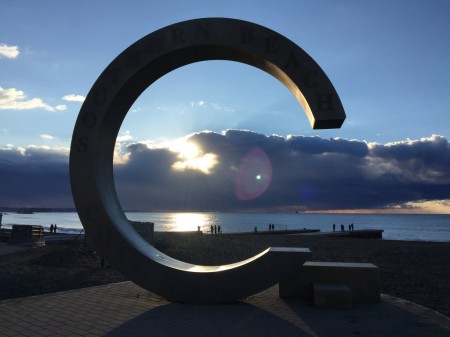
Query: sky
x,y
220,135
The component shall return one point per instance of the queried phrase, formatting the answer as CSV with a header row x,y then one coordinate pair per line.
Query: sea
x,y
404,227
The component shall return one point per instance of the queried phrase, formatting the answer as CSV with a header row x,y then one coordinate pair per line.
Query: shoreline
x,y
410,227
63,233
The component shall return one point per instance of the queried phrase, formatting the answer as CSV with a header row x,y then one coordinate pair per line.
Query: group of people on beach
x,y
350,227
271,227
215,229
53,228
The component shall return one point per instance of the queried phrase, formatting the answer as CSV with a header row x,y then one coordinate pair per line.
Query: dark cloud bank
x,y
252,172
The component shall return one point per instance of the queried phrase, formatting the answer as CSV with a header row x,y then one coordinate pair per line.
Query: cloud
x,y
161,107
13,99
191,157
46,136
74,98
10,52
250,171
34,177
124,137
221,108
199,103
61,107
215,106
308,173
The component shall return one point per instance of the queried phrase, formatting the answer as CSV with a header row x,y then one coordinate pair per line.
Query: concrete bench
x,y
332,295
362,279
27,235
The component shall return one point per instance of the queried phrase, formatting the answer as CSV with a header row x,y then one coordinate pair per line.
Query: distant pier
x,y
280,232
361,234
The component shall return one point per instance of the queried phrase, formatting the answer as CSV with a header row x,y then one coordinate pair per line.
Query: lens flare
x,y
254,175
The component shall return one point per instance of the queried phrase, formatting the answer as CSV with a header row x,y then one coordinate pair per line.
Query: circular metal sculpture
x,y
99,121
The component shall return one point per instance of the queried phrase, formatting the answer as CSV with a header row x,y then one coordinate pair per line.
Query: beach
x,y
411,270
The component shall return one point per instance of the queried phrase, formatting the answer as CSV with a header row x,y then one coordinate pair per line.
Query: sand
x,y
415,271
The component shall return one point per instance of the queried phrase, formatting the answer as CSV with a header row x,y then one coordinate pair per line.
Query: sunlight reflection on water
x,y
179,222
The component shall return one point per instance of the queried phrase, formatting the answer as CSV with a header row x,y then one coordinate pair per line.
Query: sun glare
x,y
192,157
188,221
188,150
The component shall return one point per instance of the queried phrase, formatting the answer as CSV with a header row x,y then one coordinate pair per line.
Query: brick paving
x,y
124,309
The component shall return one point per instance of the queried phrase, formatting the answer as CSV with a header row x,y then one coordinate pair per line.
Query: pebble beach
x,y
412,270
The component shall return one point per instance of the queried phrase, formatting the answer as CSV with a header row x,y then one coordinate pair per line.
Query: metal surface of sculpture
x,y
99,121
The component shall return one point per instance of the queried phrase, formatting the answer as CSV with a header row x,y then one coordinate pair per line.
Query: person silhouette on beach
x,y
334,227
212,229
51,229
54,229
218,229
215,229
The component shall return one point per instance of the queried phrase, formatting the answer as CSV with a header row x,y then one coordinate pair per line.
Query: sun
x,y
189,150
191,157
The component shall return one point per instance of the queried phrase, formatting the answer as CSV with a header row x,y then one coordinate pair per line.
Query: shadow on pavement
x,y
236,319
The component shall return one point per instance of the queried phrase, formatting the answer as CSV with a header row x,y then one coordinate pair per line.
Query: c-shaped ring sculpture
x,y
99,121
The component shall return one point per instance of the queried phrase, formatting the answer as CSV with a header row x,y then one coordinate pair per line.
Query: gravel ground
x,y
415,271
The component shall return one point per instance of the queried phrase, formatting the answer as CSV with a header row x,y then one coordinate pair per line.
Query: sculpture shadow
x,y
233,319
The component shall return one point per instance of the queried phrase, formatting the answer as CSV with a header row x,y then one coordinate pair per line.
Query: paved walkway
x,y
124,309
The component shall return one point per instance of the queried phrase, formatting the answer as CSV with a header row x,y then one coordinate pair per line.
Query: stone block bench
x,y
333,284
27,235
332,295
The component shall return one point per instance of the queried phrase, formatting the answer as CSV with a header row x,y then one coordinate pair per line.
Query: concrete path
x,y
124,309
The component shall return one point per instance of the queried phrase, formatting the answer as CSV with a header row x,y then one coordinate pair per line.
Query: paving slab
x,y
125,309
